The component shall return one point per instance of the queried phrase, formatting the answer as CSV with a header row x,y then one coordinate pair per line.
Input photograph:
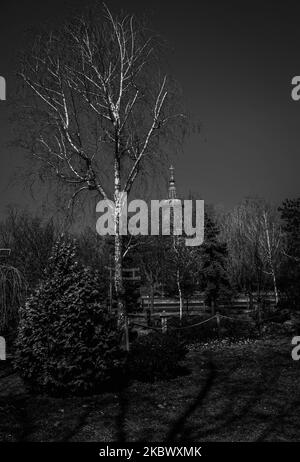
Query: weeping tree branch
x,y
12,286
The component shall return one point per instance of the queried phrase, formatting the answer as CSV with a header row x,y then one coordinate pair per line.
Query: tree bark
x,y
119,286
270,257
152,298
275,286
180,295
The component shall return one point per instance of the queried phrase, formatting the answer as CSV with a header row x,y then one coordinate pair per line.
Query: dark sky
x,y
235,62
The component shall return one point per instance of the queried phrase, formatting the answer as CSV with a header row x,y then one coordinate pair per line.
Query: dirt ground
x,y
244,392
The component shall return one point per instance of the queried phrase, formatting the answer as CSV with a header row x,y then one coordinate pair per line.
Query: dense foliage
x,y
66,342
156,357
290,268
214,253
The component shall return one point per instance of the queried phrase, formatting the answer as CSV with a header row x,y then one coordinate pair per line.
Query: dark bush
x,y
278,314
67,343
238,329
156,357
197,332
289,327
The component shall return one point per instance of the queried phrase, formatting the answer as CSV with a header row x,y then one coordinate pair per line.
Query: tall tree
x,y
213,272
98,105
271,243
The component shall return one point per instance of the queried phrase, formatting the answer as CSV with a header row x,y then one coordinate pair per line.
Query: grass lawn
x,y
245,392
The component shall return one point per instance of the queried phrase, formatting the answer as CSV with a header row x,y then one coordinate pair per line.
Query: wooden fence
x,y
196,306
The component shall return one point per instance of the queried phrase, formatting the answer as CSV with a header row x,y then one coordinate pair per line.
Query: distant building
x,y
172,193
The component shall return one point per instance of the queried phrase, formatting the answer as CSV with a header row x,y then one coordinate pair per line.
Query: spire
x,y
172,187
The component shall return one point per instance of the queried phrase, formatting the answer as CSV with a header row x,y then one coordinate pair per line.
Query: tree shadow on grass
x,y
239,396
228,390
230,416
177,428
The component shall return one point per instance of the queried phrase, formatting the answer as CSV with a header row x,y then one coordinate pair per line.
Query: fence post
x,y
213,308
218,324
164,322
259,317
127,343
148,317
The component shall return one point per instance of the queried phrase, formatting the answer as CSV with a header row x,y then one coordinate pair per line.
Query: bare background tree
x,y
253,233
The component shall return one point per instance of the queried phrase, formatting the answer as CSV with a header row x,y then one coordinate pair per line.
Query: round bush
x,y
156,357
66,342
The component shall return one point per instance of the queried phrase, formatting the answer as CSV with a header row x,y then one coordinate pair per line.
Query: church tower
x,y
172,186
175,218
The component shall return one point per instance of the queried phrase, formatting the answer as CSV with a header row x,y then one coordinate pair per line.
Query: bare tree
x,y
271,243
262,230
152,261
253,233
99,106
30,238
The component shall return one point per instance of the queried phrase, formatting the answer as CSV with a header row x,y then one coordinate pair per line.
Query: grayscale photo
x,y
149,228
